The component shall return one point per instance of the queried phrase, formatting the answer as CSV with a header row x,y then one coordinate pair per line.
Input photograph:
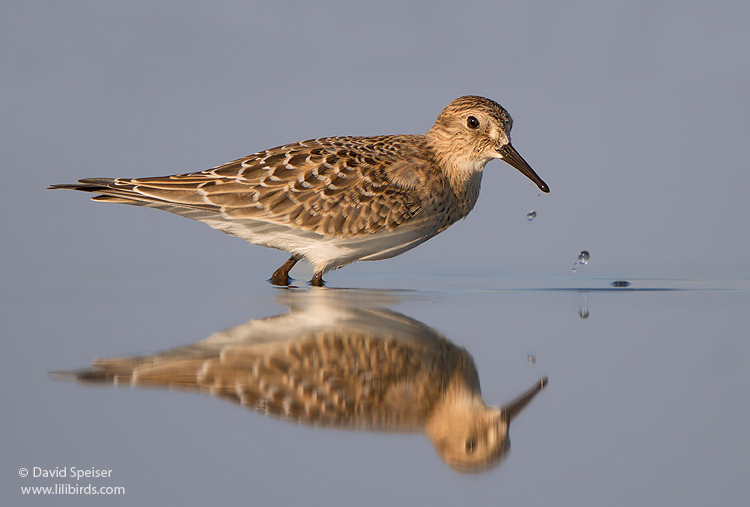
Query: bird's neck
x,y
460,164
458,404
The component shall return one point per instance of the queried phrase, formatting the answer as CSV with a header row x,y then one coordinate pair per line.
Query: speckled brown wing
x,y
331,378
333,186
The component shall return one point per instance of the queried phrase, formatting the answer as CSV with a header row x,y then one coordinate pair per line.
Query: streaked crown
x,y
472,104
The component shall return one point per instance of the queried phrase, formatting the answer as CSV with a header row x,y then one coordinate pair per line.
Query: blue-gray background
x,y
635,113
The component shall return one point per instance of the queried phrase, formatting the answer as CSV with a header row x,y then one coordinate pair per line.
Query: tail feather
x,y
87,185
114,192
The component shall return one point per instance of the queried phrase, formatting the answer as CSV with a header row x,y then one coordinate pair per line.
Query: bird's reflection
x,y
338,359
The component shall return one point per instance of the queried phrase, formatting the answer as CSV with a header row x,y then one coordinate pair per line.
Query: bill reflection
x,y
338,359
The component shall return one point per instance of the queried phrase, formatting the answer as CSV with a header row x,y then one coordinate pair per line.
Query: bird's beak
x,y
513,408
509,154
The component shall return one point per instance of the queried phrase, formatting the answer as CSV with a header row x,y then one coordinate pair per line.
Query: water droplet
x,y
583,312
620,283
532,359
574,269
531,215
583,257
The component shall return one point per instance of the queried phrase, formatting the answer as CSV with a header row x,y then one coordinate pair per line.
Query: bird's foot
x,y
280,277
317,280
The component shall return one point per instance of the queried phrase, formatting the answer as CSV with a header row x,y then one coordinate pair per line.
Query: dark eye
x,y
471,444
472,122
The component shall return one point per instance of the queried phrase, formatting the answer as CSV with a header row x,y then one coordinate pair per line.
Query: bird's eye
x,y
471,445
472,122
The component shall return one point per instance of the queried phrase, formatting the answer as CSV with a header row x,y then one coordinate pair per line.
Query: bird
x,y
336,200
339,359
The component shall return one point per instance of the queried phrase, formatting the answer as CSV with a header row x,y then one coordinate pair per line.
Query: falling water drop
x,y
531,215
583,257
532,359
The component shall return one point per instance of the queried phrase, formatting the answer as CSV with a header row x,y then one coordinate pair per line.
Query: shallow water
x,y
645,403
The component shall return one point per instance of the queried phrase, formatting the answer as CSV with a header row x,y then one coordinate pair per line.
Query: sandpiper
x,y
340,360
337,200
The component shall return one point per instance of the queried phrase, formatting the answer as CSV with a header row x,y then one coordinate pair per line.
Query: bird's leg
x,y
281,275
317,279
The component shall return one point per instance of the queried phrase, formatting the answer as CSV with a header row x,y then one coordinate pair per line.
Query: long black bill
x,y
512,409
511,156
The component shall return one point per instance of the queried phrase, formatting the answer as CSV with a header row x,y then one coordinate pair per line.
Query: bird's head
x,y
473,130
471,437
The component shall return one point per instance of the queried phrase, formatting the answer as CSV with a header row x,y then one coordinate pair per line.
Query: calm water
x,y
643,148
646,403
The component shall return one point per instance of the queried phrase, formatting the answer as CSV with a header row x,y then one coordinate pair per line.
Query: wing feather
x,y
330,186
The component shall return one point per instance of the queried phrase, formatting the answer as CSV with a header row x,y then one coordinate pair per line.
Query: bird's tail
x,y
123,192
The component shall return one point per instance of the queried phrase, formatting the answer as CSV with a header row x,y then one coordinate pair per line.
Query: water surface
x,y
645,401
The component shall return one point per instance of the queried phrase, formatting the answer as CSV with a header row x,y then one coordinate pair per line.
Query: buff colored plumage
x,y
341,360
336,200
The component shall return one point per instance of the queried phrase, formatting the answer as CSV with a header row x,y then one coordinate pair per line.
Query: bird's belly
x,y
333,252
326,252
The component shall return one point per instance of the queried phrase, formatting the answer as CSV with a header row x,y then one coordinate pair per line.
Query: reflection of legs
x,y
317,279
281,275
